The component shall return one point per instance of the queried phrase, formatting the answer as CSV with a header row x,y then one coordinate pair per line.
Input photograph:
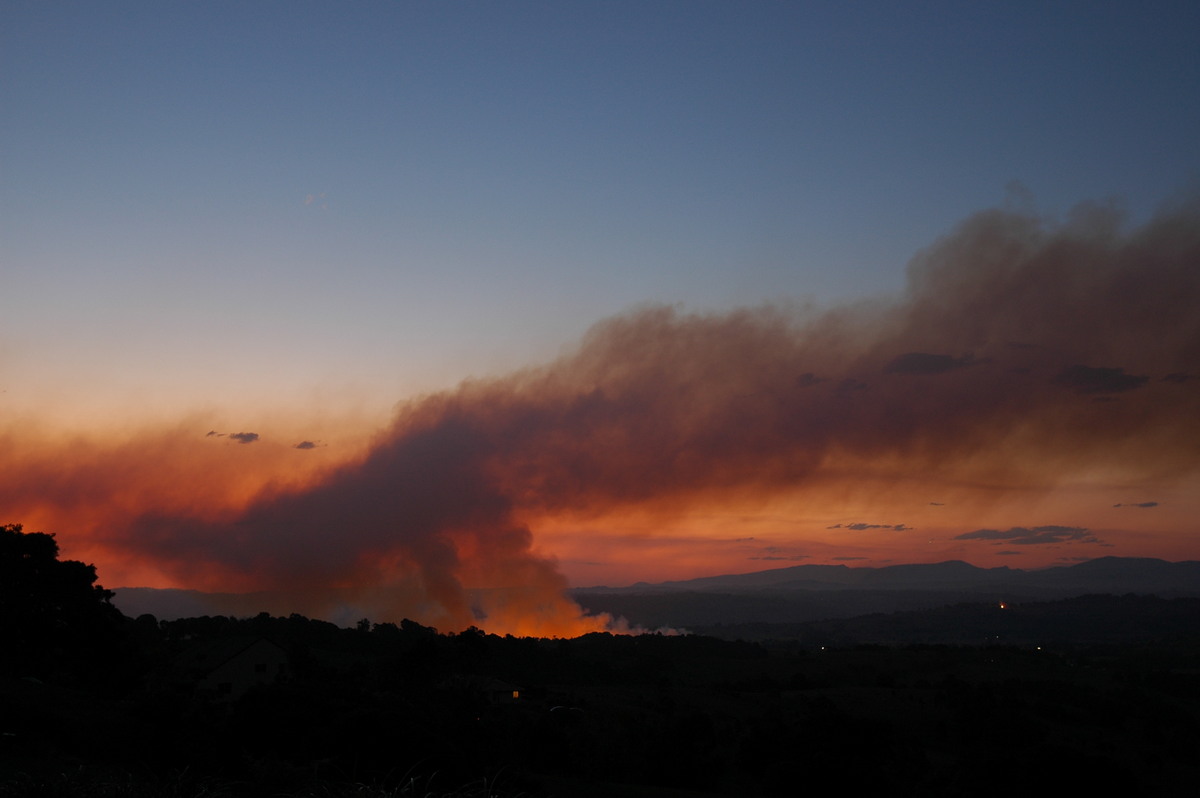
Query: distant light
x,y
1003,606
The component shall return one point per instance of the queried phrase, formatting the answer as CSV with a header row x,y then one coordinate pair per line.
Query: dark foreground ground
x,y
403,711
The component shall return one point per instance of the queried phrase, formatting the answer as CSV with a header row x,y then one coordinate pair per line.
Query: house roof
x,y
205,656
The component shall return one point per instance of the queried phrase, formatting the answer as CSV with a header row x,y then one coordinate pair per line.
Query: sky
x,y
407,298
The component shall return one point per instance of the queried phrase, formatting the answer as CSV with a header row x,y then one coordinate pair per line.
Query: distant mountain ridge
x,y
799,593
1102,575
807,593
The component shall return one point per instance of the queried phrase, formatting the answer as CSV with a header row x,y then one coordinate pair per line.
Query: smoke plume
x,y
1022,350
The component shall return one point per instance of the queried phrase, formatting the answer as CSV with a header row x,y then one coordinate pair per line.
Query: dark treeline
x,y
1089,620
290,706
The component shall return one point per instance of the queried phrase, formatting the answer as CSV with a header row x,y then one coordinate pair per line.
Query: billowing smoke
x,y
1023,350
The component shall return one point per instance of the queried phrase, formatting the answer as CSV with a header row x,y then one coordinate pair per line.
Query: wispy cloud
x,y
1032,536
1088,379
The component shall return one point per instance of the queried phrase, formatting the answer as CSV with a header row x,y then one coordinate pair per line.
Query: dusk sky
x,y
409,298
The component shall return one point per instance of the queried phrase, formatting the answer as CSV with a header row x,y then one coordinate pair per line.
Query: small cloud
x,y
244,437
1038,535
213,433
808,379
1138,504
924,363
860,527
937,504
305,445
1087,379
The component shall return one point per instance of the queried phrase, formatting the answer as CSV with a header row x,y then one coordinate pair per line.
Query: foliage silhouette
x,y
56,621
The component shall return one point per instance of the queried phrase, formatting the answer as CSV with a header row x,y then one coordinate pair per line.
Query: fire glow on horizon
x,y
1026,360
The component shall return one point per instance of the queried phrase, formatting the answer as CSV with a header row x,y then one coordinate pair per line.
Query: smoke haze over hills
x,y
1023,353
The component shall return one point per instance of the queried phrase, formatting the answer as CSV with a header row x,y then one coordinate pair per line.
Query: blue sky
x,y
223,202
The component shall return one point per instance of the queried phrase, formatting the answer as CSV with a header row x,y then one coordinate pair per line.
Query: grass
x,y
78,782
82,783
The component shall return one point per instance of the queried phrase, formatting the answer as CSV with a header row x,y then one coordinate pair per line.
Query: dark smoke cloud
x,y
1144,505
244,437
659,409
305,445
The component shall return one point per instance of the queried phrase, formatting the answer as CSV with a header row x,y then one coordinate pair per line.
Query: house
x,y
226,669
486,689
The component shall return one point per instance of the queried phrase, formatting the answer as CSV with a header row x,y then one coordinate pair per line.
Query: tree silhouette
x,y
54,618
